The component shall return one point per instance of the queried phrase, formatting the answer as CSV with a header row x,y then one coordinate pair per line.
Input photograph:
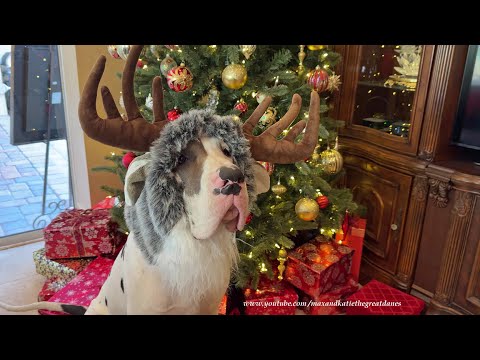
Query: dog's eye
x,y
181,159
227,152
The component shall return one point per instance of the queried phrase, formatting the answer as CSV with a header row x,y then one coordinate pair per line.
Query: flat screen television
x,y
467,124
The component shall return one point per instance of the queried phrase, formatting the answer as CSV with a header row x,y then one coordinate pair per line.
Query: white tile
x,y
21,292
19,283
17,263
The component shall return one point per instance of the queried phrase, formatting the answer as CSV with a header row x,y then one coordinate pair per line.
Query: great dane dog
x,y
185,198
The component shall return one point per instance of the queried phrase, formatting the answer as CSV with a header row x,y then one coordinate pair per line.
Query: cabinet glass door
x,y
385,91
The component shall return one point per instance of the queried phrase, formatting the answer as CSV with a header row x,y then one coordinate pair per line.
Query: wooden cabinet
x,y
421,192
385,193
382,101
380,106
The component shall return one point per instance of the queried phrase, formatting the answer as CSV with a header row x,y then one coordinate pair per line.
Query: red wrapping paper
x,y
106,203
376,298
50,288
354,239
81,233
317,266
319,305
272,297
84,287
222,307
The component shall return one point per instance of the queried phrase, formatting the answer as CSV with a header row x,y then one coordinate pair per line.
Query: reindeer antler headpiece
x,y
136,133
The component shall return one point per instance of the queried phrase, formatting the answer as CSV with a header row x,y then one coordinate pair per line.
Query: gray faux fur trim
x,y
160,205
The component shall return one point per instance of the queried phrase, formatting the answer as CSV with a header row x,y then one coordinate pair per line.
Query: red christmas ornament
x,y
180,78
112,50
270,167
322,201
128,158
318,79
140,63
249,218
241,106
174,114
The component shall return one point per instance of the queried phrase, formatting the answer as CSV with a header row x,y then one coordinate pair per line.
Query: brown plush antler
x,y
266,147
135,133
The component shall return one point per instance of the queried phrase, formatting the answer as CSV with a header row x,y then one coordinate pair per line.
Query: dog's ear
x,y
135,178
262,179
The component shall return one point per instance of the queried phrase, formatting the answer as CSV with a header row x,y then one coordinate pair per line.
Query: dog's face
x,y
214,188
200,169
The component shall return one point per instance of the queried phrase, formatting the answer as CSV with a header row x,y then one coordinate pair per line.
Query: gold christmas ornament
x,y
279,189
282,257
268,118
316,47
315,155
301,57
247,50
333,82
307,209
332,160
234,76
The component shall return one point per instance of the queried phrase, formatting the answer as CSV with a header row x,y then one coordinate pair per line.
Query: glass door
x,y
35,182
384,92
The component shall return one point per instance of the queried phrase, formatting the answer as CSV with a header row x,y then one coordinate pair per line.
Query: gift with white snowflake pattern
x,y
84,287
50,288
272,297
82,233
317,266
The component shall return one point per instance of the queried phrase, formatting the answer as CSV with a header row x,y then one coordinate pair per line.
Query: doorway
x,y
35,179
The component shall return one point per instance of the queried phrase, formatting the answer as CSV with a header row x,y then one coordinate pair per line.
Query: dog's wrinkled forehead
x,y
177,135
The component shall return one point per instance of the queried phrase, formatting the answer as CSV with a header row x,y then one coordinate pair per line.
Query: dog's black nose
x,y
231,174
231,189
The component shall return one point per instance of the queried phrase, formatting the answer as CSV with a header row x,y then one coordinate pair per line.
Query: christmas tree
x,y
232,80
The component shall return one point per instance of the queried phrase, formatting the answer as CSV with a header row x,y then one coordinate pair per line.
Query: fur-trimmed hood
x,y
160,204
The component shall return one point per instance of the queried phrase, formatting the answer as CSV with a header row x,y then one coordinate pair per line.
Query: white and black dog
x,y
185,200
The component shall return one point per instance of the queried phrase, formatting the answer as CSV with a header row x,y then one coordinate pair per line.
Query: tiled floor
x,y
22,171
19,283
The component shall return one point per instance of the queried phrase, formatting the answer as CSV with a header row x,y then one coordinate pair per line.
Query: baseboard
x,y
21,239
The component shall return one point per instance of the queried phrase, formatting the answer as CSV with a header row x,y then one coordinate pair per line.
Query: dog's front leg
x,y
97,307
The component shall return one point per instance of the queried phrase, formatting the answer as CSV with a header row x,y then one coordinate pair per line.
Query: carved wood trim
x,y
413,231
454,249
439,192
436,101
473,281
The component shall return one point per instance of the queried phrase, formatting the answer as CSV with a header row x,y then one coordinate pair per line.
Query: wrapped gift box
x,y
272,297
330,303
317,266
50,288
222,307
61,269
82,233
84,287
376,298
354,237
